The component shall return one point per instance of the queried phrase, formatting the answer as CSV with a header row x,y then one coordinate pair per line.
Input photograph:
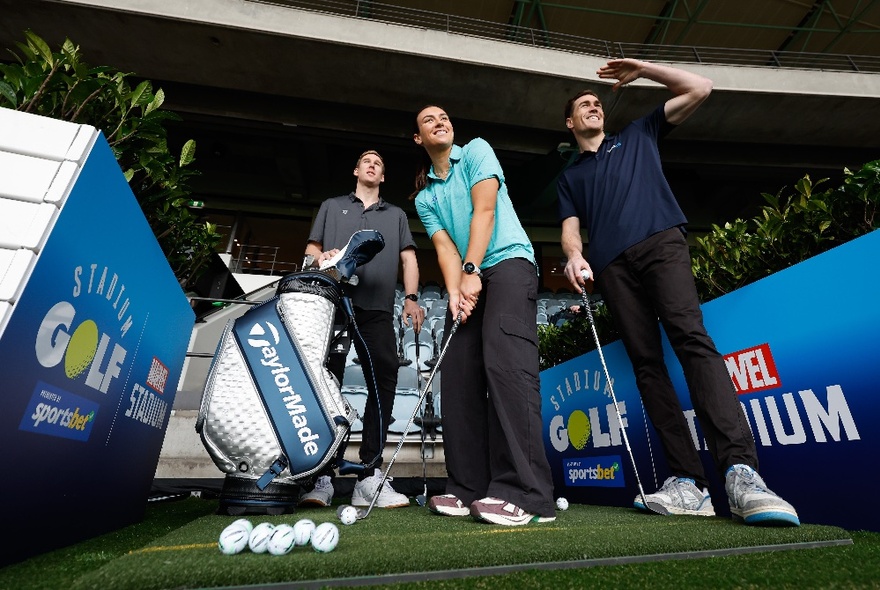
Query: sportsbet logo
x,y
593,471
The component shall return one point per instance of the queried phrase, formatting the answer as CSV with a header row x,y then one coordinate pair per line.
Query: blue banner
x,y
802,353
92,353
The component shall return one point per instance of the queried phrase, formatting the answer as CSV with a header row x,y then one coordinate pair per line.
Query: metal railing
x,y
460,25
252,259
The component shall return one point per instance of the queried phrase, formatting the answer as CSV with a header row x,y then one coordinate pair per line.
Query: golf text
x,y
66,336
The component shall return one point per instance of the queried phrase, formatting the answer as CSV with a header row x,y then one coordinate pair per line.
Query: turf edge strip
x,y
550,565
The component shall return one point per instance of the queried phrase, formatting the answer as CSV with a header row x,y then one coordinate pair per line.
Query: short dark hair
x,y
569,106
370,152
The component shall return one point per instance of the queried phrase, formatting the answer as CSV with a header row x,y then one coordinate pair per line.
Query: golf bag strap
x,y
274,471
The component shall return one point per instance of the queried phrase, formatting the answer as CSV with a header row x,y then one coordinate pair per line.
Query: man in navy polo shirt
x,y
640,262
373,301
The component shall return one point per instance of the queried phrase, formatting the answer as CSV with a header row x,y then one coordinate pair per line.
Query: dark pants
x,y
652,280
493,443
379,359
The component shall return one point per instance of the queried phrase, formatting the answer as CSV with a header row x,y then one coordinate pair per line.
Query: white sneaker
x,y
321,495
366,488
678,495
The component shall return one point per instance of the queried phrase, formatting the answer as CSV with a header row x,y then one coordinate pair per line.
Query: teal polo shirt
x,y
446,204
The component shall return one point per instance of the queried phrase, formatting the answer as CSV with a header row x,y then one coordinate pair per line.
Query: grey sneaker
x,y
678,495
753,503
321,495
366,488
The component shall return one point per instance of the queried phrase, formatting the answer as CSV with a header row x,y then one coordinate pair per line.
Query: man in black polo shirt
x,y
373,300
639,260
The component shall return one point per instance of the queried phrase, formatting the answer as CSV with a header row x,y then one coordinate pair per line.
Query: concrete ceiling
x,y
280,114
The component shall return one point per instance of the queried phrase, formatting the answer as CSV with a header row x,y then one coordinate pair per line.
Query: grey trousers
x,y
491,399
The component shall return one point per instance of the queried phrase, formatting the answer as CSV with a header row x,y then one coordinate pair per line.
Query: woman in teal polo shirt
x,y
495,460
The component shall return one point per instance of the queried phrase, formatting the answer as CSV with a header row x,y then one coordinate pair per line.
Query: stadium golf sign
x,y
94,328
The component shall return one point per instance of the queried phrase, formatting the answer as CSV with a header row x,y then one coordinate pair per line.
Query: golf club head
x,y
422,499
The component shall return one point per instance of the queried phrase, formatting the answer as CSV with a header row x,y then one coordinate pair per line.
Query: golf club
x,y
422,498
659,510
361,513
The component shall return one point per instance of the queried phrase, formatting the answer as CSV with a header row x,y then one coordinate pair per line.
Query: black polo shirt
x,y
339,217
619,192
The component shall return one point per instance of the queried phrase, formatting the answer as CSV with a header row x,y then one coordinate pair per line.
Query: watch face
x,y
469,268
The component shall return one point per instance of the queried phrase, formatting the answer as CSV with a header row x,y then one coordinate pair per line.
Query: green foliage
x,y
557,345
789,229
61,85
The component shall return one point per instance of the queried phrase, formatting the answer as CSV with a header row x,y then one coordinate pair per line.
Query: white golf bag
x,y
272,415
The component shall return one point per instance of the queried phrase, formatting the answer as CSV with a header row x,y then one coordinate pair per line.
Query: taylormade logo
x,y
292,401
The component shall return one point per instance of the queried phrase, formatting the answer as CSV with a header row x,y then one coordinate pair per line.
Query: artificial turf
x,y
175,546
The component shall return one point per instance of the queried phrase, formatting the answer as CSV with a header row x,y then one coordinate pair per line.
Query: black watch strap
x,y
411,297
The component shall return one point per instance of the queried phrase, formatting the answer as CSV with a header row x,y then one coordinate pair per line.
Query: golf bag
x,y
272,415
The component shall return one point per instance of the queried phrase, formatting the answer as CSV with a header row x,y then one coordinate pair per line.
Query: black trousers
x,y
652,280
378,359
491,398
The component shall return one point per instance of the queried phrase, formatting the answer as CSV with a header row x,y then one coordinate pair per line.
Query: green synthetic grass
x,y
176,547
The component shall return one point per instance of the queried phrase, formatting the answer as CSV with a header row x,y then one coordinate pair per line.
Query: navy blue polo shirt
x,y
619,192
339,217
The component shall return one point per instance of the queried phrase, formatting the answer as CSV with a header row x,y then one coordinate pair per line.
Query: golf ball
x,y
233,539
259,538
562,503
302,532
245,523
325,537
282,540
348,515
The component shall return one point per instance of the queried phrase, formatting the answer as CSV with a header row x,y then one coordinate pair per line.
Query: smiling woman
x,y
498,471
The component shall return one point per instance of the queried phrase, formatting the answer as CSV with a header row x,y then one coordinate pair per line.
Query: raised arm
x,y
690,89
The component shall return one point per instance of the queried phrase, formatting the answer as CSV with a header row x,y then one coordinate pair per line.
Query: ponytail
x,y
421,180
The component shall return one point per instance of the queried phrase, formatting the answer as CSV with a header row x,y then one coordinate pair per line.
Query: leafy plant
x,y
574,338
789,229
61,85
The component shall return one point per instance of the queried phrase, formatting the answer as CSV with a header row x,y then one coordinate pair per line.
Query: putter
x,y
361,513
651,506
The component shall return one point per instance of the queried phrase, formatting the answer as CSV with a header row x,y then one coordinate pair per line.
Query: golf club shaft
x,y
412,418
589,311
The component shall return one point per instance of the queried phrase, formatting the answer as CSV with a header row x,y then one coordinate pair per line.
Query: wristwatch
x,y
411,297
470,268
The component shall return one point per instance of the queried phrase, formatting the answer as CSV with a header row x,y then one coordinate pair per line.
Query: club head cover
x,y
361,248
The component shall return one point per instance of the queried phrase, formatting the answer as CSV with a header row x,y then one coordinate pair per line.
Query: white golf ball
x,y
246,524
348,515
282,540
325,537
562,503
259,538
233,539
302,532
